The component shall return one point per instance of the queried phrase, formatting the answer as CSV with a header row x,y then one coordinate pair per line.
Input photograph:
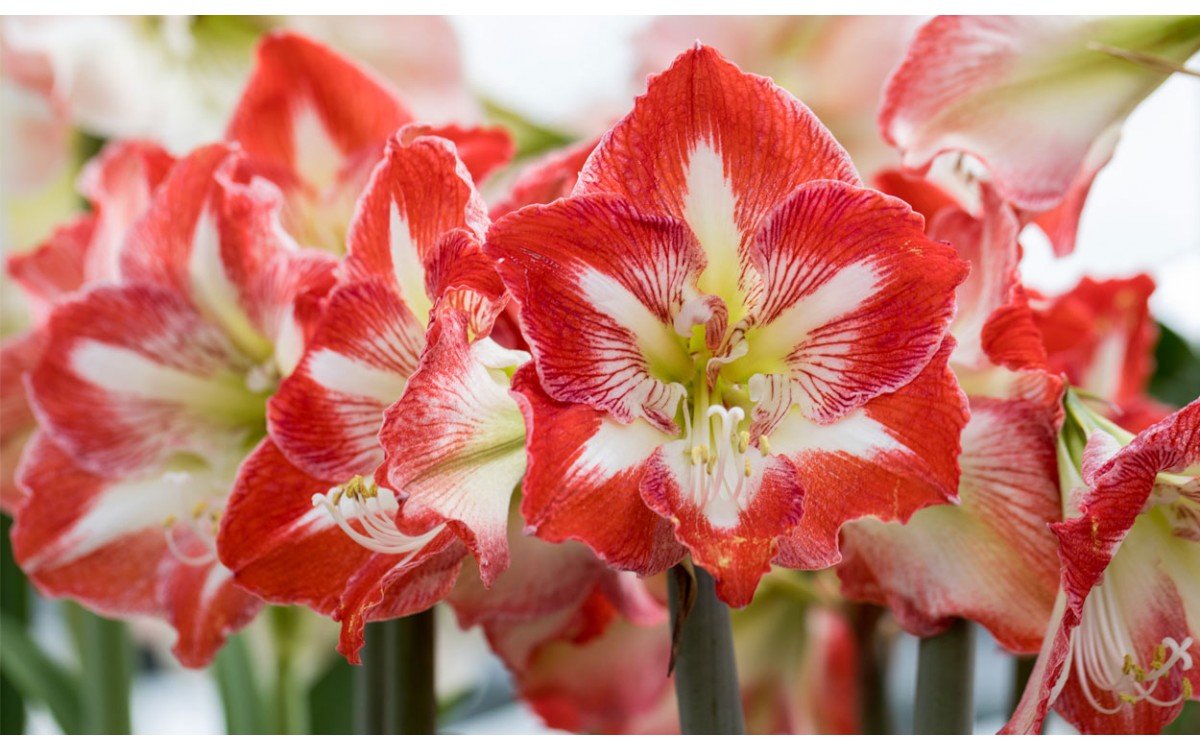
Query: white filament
x,y
374,508
1102,652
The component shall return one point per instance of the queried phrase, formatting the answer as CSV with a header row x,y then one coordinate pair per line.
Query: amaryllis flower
x,y
725,323
398,417
587,647
1040,100
989,558
1101,336
316,123
1122,653
801,53
150,392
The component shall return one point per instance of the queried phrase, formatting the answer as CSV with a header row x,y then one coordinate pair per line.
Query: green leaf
x,y
37,676
240,696
331,699
1176,378
530,138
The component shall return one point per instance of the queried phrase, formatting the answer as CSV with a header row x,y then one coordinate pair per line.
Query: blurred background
x,y
554,79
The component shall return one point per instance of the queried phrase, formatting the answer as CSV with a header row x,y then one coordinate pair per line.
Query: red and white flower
x,y
724,321
397,422
1040,100
1122,652
989,558
151,391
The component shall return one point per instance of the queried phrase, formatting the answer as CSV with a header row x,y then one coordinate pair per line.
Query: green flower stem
x,y
1022,668
106,671
371,680
872,669
706,684
14,603
414,699
395,683
945,677
288,701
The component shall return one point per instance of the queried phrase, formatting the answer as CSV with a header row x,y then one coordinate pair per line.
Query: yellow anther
x,y
335,497
198,510
743,441
1127,698
1139,674
1160,657
747,470
711,467
696,455
168,522
1187,689
1128,667
764,447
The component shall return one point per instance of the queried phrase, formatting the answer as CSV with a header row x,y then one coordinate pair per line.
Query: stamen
x,y
374,508
1104,657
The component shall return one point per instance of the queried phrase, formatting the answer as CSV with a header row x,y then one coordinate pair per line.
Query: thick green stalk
x,y
706,684
395,683
1022,668
14,602
371,680
414,699
106,671
872,669
945,682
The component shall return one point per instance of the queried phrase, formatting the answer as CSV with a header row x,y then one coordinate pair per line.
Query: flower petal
x,y
133,374
420,191
306,110
767,144
583,477
326,416
546,179
732,538
606,336
899,452
455,444
854,299
969,83
990,559
277,544
105,543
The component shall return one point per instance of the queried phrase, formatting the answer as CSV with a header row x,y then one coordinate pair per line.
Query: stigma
x,y
367,512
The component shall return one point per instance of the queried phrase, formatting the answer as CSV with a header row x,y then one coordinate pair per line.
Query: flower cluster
x,y
306,364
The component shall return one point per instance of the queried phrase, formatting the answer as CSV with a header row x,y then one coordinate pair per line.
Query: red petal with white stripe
x,y
132,375
455,443
899,452
989,559
766,144
583,479
307,111
106,544
420,191
326,417
731,522
1030,96
605,337
853,303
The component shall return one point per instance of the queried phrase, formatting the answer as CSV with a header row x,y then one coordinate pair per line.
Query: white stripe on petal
x,y
341,374
406,264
